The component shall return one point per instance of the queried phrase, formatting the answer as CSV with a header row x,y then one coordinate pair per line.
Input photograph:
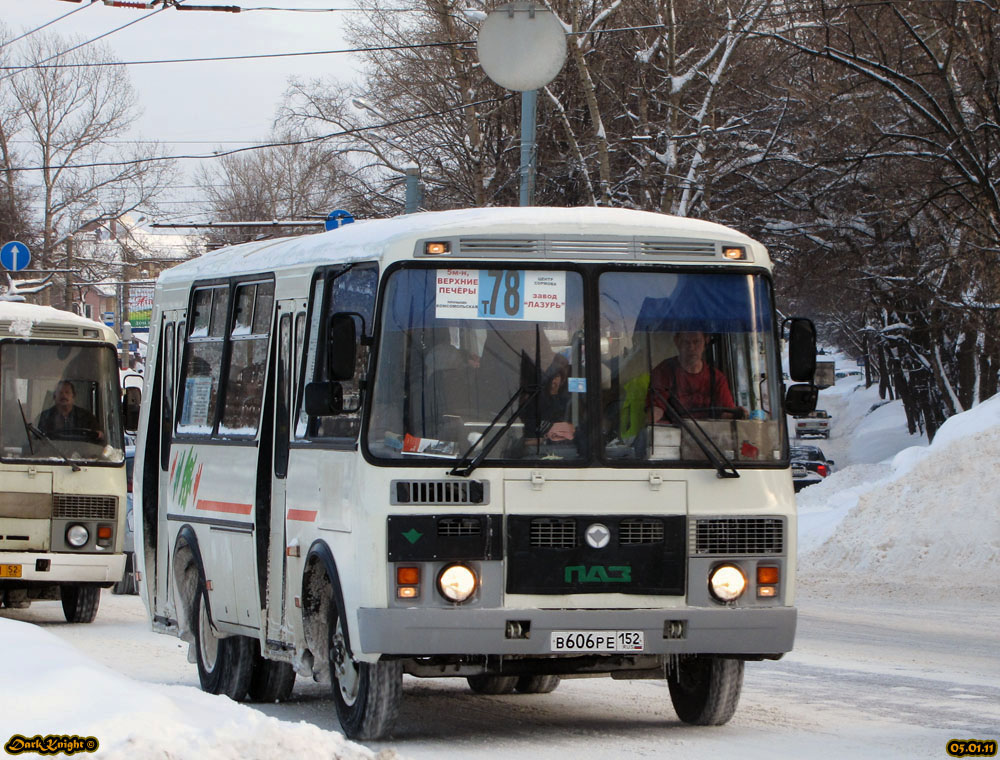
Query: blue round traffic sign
x,y
15,256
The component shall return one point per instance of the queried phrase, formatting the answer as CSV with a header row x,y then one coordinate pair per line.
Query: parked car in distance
x,y
815,423
809,466
127,584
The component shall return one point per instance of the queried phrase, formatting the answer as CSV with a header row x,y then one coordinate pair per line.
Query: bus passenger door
x,y
170,334
286,352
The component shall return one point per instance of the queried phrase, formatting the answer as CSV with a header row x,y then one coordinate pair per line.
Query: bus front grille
x,y
640,531
459,526
439,492
738,535
553,533
77,507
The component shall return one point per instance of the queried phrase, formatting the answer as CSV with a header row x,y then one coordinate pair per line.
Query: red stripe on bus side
x,y
305,515
225,506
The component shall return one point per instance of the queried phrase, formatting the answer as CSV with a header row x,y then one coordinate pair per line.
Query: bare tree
x,y
72,124
289,181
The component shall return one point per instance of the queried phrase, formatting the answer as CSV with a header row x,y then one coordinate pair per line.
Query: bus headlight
x,y
727,583
77,536
457,583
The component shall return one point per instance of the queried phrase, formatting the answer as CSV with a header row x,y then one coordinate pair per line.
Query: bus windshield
x,y
494,363
59,403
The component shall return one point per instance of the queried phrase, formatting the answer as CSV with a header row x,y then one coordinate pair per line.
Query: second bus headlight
x,y
727,583
457,583
77,536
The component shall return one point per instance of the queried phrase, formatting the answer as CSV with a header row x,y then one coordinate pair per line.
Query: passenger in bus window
x,y
545,415
65,419
700,388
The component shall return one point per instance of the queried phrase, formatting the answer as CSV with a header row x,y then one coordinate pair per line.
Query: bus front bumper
x,y
424,632
52,567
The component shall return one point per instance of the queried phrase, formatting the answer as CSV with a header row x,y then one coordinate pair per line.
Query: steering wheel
x,y
717,412
87,435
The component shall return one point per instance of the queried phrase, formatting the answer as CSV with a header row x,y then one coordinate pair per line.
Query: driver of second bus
x,y
65,419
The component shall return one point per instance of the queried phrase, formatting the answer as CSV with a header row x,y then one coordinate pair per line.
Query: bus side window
x,y
199,386
244,389
353,292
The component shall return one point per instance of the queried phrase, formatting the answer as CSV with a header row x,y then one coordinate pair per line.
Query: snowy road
x,y
867,679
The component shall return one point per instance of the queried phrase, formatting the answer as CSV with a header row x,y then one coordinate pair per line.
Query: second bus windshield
x,y
473,357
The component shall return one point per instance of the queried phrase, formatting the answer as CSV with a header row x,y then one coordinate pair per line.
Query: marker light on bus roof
x,y
734,252
437,248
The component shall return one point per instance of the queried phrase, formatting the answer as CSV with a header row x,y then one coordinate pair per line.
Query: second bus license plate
x,y
10,571
596,641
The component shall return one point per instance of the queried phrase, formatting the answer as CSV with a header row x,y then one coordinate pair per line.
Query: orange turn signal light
x,y
407,576
104,531
768,575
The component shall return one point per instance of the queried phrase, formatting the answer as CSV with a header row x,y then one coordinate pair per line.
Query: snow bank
x,y
927,520
62,692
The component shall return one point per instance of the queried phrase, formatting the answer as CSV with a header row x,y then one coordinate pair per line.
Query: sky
x,y
198,107
212,102
895,512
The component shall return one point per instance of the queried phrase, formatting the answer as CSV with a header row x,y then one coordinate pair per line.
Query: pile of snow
x,y
62,692
924,520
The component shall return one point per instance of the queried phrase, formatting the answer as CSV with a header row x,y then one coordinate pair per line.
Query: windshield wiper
x,y
32,430
465,467
679,415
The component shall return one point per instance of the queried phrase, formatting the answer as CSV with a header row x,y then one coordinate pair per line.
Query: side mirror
x,y
341,347
801,349
324,399
801,399
131,402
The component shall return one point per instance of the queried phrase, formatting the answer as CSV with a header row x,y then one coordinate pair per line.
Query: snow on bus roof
x,y
365,238
31,313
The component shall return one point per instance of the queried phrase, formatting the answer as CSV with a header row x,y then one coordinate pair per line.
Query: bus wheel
x,y
367,695
705,689
271,681
225,665
484,683
537,684
80,603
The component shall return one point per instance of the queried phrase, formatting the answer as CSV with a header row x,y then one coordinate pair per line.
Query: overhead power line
x,y
38,64
251,56
221,154
47,23
263,56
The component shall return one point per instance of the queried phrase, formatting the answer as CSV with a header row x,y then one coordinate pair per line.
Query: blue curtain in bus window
x,y
709,303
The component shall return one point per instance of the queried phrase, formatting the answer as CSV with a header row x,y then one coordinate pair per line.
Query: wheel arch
x,y
188,576
320,585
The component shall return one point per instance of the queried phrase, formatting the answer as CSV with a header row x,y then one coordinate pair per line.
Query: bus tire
x,y
367,695
537,684
225,665
485,683
270,681
705,689
80,603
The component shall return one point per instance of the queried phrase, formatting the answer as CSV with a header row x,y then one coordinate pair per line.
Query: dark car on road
x,y
809,466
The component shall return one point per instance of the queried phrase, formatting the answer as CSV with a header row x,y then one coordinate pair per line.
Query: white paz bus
x,y
461,444
62,460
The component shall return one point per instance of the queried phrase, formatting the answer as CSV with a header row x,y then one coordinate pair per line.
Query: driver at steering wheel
x,y
700,388
65,418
